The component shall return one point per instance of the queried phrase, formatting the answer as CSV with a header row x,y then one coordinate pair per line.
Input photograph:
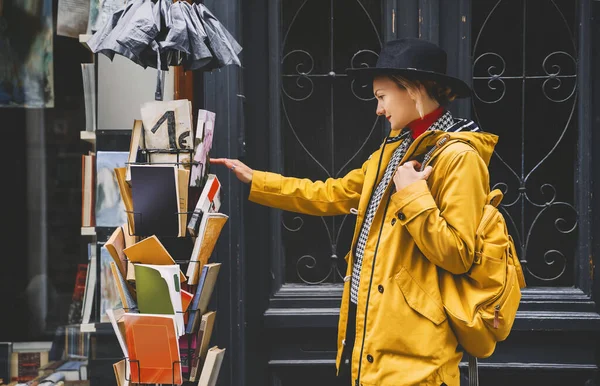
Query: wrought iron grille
x,y
328,121
524,80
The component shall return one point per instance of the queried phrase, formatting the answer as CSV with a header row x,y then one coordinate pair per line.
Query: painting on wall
x,y
26,65
110,210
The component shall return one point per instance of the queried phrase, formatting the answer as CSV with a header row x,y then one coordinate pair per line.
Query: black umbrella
x,y
160,33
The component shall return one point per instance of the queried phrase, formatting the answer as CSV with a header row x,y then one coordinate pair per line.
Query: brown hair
x,y
440,93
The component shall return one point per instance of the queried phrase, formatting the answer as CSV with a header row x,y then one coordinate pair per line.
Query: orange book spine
x,y
82,189
93,187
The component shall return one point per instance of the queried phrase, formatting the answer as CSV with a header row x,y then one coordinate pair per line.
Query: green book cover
x,y
153,294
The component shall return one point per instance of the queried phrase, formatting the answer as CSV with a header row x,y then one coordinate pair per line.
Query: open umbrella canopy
x,y
162,33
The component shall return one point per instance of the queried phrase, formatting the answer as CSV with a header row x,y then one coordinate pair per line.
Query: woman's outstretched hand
x,y
242,172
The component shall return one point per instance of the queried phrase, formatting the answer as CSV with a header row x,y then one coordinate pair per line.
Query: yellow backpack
x,y
482,304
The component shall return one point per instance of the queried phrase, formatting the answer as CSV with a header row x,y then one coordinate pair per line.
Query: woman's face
x,y
394,102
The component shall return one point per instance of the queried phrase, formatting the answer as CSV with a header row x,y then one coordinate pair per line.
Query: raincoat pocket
x,y
419,300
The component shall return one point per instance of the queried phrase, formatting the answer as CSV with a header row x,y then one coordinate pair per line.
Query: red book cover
x,y
29,363
153,346
187,350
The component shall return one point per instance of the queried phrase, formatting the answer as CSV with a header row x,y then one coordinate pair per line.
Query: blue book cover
x,y
71,365
194,311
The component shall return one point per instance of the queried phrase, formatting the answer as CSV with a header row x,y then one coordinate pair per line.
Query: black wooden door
x,y
531,64
305,118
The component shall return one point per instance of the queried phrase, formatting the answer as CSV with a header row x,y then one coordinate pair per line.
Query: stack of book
x,y
30,363
162,318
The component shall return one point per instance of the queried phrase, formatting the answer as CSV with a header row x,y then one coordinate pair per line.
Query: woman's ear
x,y
416,94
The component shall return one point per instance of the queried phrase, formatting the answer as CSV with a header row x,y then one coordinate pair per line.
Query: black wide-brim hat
x,y
416,59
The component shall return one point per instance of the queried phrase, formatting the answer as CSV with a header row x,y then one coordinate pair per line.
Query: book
x,y
109,296
27,358
79,286
187,295
212,366
194,314
76,342
90,285
110,210
203,336
167,132
183,177
5,356
120,373
88,74
186,299
150,251
153,345
25,365
72,18
158,291
87,190
115,246
134,146
208,286
187,348
49,374
159,205
203,294
127,300
210,228
129,238
209,201
121,368
115,317
71,383
203,144
74,370
125,190
50,367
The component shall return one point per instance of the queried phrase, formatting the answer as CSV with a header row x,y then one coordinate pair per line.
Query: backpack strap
x,y
473,371
495,197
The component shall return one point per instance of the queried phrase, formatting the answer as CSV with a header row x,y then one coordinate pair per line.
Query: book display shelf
x,y
154,222
150,219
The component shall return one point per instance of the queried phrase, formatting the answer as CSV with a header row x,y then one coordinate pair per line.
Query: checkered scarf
x,y
445,123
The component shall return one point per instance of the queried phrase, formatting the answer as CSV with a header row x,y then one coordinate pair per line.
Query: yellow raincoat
x,y
402,335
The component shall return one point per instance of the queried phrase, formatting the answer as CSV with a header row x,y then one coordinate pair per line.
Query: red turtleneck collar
x,y
419,126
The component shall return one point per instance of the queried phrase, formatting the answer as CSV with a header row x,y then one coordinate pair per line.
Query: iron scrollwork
x,y
303,75
309,262
553,77
298,86
356,63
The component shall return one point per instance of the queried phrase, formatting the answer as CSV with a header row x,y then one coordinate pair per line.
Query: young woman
x,y
412,220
